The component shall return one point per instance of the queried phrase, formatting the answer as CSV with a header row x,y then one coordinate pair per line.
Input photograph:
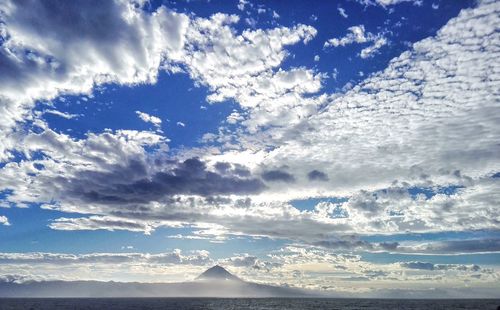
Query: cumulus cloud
x,y
109,172
316,175
358,34
252,75
277,175
101,43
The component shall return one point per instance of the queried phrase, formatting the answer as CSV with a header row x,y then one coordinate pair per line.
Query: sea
x,y
243,303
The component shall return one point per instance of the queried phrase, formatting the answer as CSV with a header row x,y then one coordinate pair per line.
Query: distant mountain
x,y
217,273
214,282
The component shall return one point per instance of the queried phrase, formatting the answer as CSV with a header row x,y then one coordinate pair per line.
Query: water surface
x,y
242,303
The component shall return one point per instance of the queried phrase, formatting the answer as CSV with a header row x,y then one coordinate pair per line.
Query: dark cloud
x,y
418,265
278,175
134,184
389,245
316,175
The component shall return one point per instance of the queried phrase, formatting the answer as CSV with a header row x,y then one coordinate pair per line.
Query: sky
x,y
343,146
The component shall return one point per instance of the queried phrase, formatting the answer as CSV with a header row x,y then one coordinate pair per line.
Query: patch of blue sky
x,y
430,192
174,99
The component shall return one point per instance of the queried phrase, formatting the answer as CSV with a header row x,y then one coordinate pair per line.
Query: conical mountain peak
x,y
217,273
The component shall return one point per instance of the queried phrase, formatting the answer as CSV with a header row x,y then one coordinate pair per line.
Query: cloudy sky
x,y
351,147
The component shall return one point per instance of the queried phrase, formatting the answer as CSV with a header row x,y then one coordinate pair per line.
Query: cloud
x,y
156,121
453,247
386,3
139,267
277,175
176,257
113,169
372,49
385,129
62,114
50,49
100,223
4,220
316,175
342,12
431,266
252,75
357,34
242,4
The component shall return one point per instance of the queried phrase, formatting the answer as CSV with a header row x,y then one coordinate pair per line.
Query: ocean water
x,y
242,303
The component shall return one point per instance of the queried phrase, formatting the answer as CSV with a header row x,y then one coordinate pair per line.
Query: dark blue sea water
x,y
241,303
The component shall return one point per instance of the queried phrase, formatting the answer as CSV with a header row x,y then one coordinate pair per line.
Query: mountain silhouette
x,y
217,273
214,282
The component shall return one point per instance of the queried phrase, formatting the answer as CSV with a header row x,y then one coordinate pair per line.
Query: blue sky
x,y
337,140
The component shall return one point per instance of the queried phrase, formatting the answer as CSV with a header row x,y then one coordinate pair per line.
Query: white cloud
x,y
4,220
174,266
156,121
358,34
41,62
342,12
372,49
386,129
386,3
242,4
62,114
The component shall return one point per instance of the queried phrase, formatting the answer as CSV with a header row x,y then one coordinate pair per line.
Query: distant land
x,y
214,282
